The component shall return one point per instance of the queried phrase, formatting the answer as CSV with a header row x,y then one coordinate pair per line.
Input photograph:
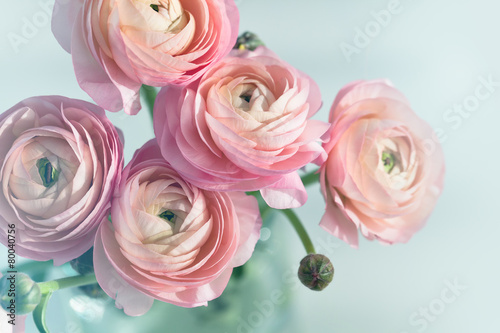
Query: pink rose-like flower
x,y
60,161
245,126
118,45
379,177
169,240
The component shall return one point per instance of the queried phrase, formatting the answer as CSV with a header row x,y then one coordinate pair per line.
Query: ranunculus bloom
x,y
169,240
245,126
60,161
118,45
379,178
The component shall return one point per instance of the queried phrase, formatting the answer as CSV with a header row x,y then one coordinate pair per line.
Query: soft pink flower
x,y
60,161
380,176
245,126
118,45
169,240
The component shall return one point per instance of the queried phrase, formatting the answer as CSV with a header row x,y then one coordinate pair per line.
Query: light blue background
x,y
435,52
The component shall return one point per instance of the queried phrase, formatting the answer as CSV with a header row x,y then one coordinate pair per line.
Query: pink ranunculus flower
x,y
118,45
168,239
379,178
244,126
60,161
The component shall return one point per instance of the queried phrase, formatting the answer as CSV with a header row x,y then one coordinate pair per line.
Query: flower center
x,y
397,162
246,97
47,172
173,13
173,221
389,161
169,216
242,96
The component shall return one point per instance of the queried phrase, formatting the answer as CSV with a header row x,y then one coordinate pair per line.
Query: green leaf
x,y
149,94
39,313
310,178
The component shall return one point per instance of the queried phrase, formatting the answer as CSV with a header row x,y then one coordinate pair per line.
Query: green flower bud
x,y
19,294
248,41
316,272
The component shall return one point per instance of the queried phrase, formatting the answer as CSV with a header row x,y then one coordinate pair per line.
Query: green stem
x,y
73,281
301,231
149,94
265,210
310,178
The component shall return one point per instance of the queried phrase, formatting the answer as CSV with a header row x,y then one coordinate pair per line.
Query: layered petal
x,y
379,178
170,240
244,126
60,162
118,45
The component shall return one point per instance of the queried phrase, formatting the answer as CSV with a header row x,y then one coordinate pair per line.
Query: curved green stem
x,y
48,288
149,94
73,281
301,231
265,210
310,178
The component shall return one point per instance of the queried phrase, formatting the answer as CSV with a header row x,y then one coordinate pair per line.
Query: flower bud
x,y
316,272
19,294
248,41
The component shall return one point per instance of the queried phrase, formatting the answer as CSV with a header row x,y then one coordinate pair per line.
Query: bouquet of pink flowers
x,y
233,126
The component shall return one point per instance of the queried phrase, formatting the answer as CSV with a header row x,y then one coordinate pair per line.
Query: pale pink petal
x,y
63,16
250,222
90,73
207,292
127,87
133,302
336,223
288,192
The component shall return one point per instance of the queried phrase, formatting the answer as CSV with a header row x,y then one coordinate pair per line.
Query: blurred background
x,y
445,279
